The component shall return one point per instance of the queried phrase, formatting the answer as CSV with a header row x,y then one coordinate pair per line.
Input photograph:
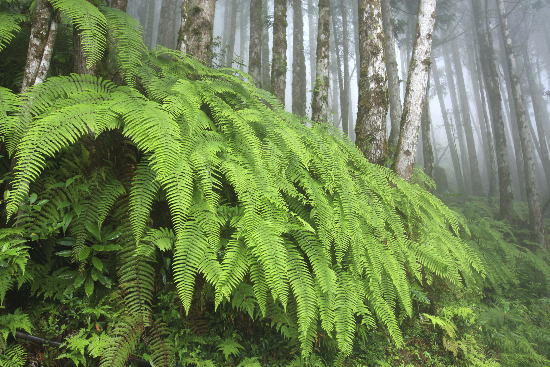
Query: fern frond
x,y
126,335
8,105
160,345
125,33
9,24
144,188
90,22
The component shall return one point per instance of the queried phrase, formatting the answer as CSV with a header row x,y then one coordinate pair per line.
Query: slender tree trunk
x,y
416,88
541,114
396,109
477,188
243,26
148,36
266,79
255,48
197,26
458,122
518,156
299,75
495,102
319,103
232,33
340,77
427,149
312,41
166,36
372,109
344,93
42,40
335,87
525,136
279,64
450,137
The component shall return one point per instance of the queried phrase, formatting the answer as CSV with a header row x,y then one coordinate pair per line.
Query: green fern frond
x,y
90,22
160,345
9,25
144,188
125,34
8,107
126,335
14,356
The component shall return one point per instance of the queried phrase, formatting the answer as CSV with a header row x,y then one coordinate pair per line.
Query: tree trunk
x,y
232,33
197,25
477,188
495,102
319,103
335,98
266,81
312,41
279,64
450,137
427,150
148,36
255,48
416,87
372,108
243,25
42,40
396,109
541,113
344,93
458,122
340,77
479,98
298,61
120,5
525,136
166,36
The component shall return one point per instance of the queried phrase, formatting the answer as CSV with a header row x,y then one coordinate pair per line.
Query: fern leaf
x,y
160,345
126,335
9,24
144,188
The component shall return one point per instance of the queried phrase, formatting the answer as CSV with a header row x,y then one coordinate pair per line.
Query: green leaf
x,y
77,209
33,198
64,204
97,263
71,180
230,347
98,247
112,247
112,236
93,229
67,218
64,253
89,286
84,253
79,280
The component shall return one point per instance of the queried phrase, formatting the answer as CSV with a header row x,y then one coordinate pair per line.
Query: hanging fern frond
x,y
144,188
90,22
9,25
126,335
160,345
8,105
125,33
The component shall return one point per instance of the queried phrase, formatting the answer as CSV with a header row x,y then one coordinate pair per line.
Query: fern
x,y
254,196
9,24
126,335
14,356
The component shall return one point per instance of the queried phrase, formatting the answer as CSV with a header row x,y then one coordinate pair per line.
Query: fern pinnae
x,y
160,345
144,188
234,268
9,26
127,333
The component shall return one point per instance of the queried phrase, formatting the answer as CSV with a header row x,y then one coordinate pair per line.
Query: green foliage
x,y
14,356
9,25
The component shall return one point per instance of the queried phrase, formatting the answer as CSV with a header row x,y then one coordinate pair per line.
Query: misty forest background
x,y
274,183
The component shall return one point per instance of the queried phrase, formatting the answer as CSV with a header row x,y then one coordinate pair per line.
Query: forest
x,y
248,183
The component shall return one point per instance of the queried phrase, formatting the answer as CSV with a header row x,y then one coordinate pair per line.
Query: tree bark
x,y
372,108
427,148
166,35
344,92
120,5
458,121
244,17
42,39
477,188
312,31
279,63
266,80
232,33
416,87
450,137
396,109
495,101
541,113
255,47
525,136
148,36
319,103
335,87
197,25
298,61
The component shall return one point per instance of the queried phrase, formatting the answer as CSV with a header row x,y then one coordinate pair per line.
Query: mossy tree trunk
x,y
372,108
197,26
495,102
42,40
396,109
255,47
319,103
524,134
416,88
299,75
279,63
